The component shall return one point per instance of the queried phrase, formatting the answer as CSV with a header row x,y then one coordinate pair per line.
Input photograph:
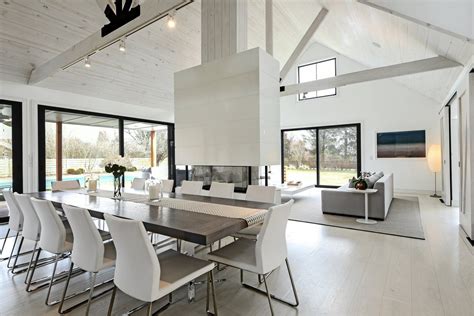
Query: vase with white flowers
x,y
117,167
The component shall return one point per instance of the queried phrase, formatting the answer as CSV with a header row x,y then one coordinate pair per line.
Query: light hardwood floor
x,y
337,272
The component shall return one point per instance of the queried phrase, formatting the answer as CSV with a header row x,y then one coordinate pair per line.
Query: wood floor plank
x,y
337,272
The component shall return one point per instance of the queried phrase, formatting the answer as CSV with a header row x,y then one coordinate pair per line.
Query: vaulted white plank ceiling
x,y
34,31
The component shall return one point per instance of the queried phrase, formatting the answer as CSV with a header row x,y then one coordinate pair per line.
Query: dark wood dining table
x,y
198,228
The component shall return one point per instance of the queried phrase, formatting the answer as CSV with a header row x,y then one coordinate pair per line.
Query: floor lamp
x,y
434,163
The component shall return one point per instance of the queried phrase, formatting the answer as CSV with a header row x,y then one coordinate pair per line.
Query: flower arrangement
x,y
361,183
117,166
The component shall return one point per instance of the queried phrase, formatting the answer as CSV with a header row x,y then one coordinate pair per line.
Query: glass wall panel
x,y
146,144
299,148
337,155
6,150
84,143
324,156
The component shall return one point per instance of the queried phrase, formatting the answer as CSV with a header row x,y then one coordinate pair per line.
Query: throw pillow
x,y
371,181
352,182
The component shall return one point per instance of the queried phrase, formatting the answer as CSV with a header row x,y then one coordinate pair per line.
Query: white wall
x,y
31,96
382,105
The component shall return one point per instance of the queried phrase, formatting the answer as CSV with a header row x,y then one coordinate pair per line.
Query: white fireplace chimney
x,y
227,111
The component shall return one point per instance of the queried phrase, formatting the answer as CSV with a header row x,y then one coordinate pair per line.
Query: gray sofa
x,y
345,203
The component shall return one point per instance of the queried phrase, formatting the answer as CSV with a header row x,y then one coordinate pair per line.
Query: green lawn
x,y
328,177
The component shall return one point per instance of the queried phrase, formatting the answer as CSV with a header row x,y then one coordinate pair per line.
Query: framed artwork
x,y
405,144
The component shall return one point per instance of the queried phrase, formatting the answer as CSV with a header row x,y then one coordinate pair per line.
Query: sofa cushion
x,y
372,179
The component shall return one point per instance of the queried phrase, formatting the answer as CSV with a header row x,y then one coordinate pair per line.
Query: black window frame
x,y
17,144
42,138
318,128
315,63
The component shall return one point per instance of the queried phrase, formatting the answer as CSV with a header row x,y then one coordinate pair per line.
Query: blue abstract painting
x,y
406,144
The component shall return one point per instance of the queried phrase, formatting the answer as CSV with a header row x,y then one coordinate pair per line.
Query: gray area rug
x,y
403,218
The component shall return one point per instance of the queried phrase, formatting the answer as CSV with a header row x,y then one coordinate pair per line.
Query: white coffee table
x,y
294,189
366,193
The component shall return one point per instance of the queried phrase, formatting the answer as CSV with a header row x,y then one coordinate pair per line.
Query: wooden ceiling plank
x,y
151,11
385,72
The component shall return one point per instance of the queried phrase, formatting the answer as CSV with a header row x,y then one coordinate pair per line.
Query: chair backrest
x,y
88,248
15,222
271,248
167,186
31,223
138,183
65,185
222,190
137,269
191,187
53,232
260,193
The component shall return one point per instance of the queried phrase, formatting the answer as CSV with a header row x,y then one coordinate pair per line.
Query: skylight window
x,y
316,71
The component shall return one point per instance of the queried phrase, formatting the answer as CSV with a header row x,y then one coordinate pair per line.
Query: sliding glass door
x,y
338,155
146,144
11,158
324,156
74,145
299,147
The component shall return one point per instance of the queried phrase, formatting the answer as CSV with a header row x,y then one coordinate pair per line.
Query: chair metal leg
x,y
214,301
241,276
273,296
17,254
33,270
91,292
13,249
5,240
52,281
268,295
71,266
208,291
112,299
31,261
149,309
292,282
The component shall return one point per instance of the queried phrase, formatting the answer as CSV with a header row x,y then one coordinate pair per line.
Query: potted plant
x,y
359,183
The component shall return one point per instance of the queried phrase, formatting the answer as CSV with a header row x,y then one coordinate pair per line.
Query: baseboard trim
x,y
412,192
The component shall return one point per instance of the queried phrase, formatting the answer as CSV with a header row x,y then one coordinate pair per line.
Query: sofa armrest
x,y
338,201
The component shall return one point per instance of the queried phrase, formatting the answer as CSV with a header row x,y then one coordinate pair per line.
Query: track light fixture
x,y
171,21
87,62
122,47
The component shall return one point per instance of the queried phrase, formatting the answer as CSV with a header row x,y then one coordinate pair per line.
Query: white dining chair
x,y
15,224
261,194
138,183
31,225
222,190
191,187
263,255
89,252
146,276
54,239
167,186
65,185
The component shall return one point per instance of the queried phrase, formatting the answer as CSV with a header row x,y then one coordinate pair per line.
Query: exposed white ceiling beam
x,y
151,11
269,26
385,72
461,35
303,42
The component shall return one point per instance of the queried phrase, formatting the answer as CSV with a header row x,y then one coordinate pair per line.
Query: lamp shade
x,y
434,158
